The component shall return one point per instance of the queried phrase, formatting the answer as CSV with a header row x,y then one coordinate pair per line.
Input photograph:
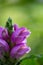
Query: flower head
x,y
18,39
13,40
19,50
19,34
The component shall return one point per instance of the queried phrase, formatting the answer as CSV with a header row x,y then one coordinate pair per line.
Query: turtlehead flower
x,y
13,40
18,39
19,50
19,34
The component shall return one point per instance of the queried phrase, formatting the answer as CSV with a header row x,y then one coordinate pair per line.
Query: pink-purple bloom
x,y
4,47
19,50
19,34
3,33
14,44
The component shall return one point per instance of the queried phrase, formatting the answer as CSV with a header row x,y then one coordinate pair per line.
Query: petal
x,y
19,39
16,39
22,37
4,44
20,30
15,49
24,41
17,32
20,34
25,34
22,52
3,33
19,51
15,27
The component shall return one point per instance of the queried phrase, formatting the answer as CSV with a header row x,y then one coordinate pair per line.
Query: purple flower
x,y
3,33
19,50
18,39
14,43
19,34
4,47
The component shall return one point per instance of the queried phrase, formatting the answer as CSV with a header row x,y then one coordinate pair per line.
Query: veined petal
x,y
23,52
3,33
18,31
4,44
19,39
19,50
25,34
15,27
19,35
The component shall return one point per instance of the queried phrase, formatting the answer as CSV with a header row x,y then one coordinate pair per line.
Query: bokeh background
x,y
27,13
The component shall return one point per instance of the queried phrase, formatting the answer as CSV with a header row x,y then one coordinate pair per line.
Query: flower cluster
x,y
13,40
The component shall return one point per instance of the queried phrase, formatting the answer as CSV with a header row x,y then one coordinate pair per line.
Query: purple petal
x,y
19,51
15,27
19,39
23,51
3,33
22,37
25,34
20,30
24,41
15,38
4,44
19,35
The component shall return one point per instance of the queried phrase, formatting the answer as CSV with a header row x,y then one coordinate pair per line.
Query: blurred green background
x,y
27,13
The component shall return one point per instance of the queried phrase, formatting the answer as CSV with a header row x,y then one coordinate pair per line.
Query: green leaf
x,y
31,60
40,60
